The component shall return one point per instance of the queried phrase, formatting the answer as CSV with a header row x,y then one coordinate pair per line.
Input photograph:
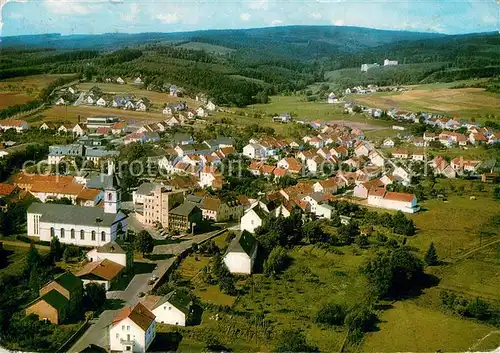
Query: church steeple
x,y
112,191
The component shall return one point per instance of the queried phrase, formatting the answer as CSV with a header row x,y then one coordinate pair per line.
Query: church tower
x,y
112,191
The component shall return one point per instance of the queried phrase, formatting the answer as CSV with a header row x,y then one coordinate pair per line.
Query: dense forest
x,y
256,63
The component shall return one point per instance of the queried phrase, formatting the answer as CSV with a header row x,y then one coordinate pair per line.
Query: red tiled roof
x,y
279,172
105,269
7,189
139,314
399,196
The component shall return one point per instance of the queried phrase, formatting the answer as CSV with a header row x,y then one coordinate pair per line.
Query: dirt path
x,y
470,252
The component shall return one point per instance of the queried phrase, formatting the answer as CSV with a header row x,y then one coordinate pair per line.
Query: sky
x,y
21,17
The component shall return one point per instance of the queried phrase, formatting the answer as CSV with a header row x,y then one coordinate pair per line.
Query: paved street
x,y
97,333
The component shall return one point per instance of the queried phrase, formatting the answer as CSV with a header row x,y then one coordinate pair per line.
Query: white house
x,y
241,253
60,101
253,218
120,81
211,106
80,225
133,330
90,100
103,272
101,102
111,251
325,211
253,150
388,142
332,98
403,175
201,112
393,200
18,125
171,309
376,159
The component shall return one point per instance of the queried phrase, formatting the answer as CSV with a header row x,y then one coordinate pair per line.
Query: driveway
x,y
98,333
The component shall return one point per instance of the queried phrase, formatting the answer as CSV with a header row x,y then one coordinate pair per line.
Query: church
x,y
80,225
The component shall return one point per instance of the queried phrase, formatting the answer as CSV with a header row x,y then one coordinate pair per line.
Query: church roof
x,y
71,214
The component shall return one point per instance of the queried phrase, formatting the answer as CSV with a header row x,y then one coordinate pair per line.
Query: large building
x,y
79,225
185,217
98,121
379,197
153,202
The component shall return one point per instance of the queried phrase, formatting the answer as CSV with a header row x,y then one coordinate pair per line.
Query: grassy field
x,y
13,98
407,327
463,103
453,225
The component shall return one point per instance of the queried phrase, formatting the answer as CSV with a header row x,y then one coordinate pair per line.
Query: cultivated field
x,y
21,90
461,103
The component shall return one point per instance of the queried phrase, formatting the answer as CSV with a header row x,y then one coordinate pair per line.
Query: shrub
x,y
331,314
276,261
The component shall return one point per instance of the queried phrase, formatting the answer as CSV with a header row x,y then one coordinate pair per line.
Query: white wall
x,y
169,314
120,259
237,262
45,235
128,327
250,221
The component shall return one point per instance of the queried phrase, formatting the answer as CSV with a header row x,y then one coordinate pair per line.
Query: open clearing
x,y
8,99
33,84
460,103
209,48
407,327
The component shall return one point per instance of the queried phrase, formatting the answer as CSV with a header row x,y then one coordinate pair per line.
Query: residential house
x,y
210,177
113,252
325,211
461,165
253,218
400,154
185,217
376,159
326,186
219,210
104,272
362,149
58,300
442,167
388,142
254,151
101,102
241,253
120,81
60,101
362,190
18,125
316,164
132,330
291,164
393,200
171,309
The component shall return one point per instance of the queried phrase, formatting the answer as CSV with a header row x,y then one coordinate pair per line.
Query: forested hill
x,y
308,41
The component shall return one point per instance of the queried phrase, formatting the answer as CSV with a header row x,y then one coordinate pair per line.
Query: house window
x,y
123,327
82,234
117,335
93,235
62,233
52,232
103,236
72,234
128,328
110,197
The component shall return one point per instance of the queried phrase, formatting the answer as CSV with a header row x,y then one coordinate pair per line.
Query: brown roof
x,y
88,194
211,203
105,269
7,189
227,150
328,183
375,183
294,165
267,169
57,188
30,179
279,172
399,196
139,314
377,192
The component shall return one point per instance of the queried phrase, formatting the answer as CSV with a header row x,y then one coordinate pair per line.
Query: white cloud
x,y
276,22
490,19
71,7
245,16
168,18
258,4
338,22
316,15
131,14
